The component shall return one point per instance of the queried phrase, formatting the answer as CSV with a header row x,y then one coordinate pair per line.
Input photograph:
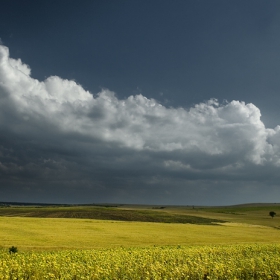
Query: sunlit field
x,y
55,233
205,243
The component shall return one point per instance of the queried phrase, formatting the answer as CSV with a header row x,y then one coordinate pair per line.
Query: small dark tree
x,y
13,250
272,214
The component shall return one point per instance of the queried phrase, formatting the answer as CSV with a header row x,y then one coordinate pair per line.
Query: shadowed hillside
x,y
105,213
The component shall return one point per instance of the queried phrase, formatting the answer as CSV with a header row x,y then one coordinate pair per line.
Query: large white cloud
x,y
57,113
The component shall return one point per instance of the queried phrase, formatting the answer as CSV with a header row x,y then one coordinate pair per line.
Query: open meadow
x,y
140,242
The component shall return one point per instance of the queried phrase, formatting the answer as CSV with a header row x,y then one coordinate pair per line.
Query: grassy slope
x,y
253,215
107,213
53,233
26,229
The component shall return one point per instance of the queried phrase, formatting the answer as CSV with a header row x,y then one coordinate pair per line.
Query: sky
x,y
140,102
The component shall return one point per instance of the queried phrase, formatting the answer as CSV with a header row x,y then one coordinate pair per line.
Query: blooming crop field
x,y
171,262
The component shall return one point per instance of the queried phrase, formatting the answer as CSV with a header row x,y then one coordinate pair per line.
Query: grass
x,y
252,215
60,233
106,213
86,227
139,242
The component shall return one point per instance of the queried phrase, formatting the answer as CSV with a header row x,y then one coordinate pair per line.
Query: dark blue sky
x,y
136,149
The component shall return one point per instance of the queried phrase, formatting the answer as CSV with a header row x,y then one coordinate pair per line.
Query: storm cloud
x,y
61,143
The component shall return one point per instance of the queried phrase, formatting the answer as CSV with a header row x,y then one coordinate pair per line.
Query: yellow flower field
x,y
171,262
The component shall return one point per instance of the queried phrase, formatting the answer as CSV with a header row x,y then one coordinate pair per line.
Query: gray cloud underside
x,y
60,142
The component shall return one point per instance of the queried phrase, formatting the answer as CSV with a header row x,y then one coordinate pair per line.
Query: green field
x,y
140,242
